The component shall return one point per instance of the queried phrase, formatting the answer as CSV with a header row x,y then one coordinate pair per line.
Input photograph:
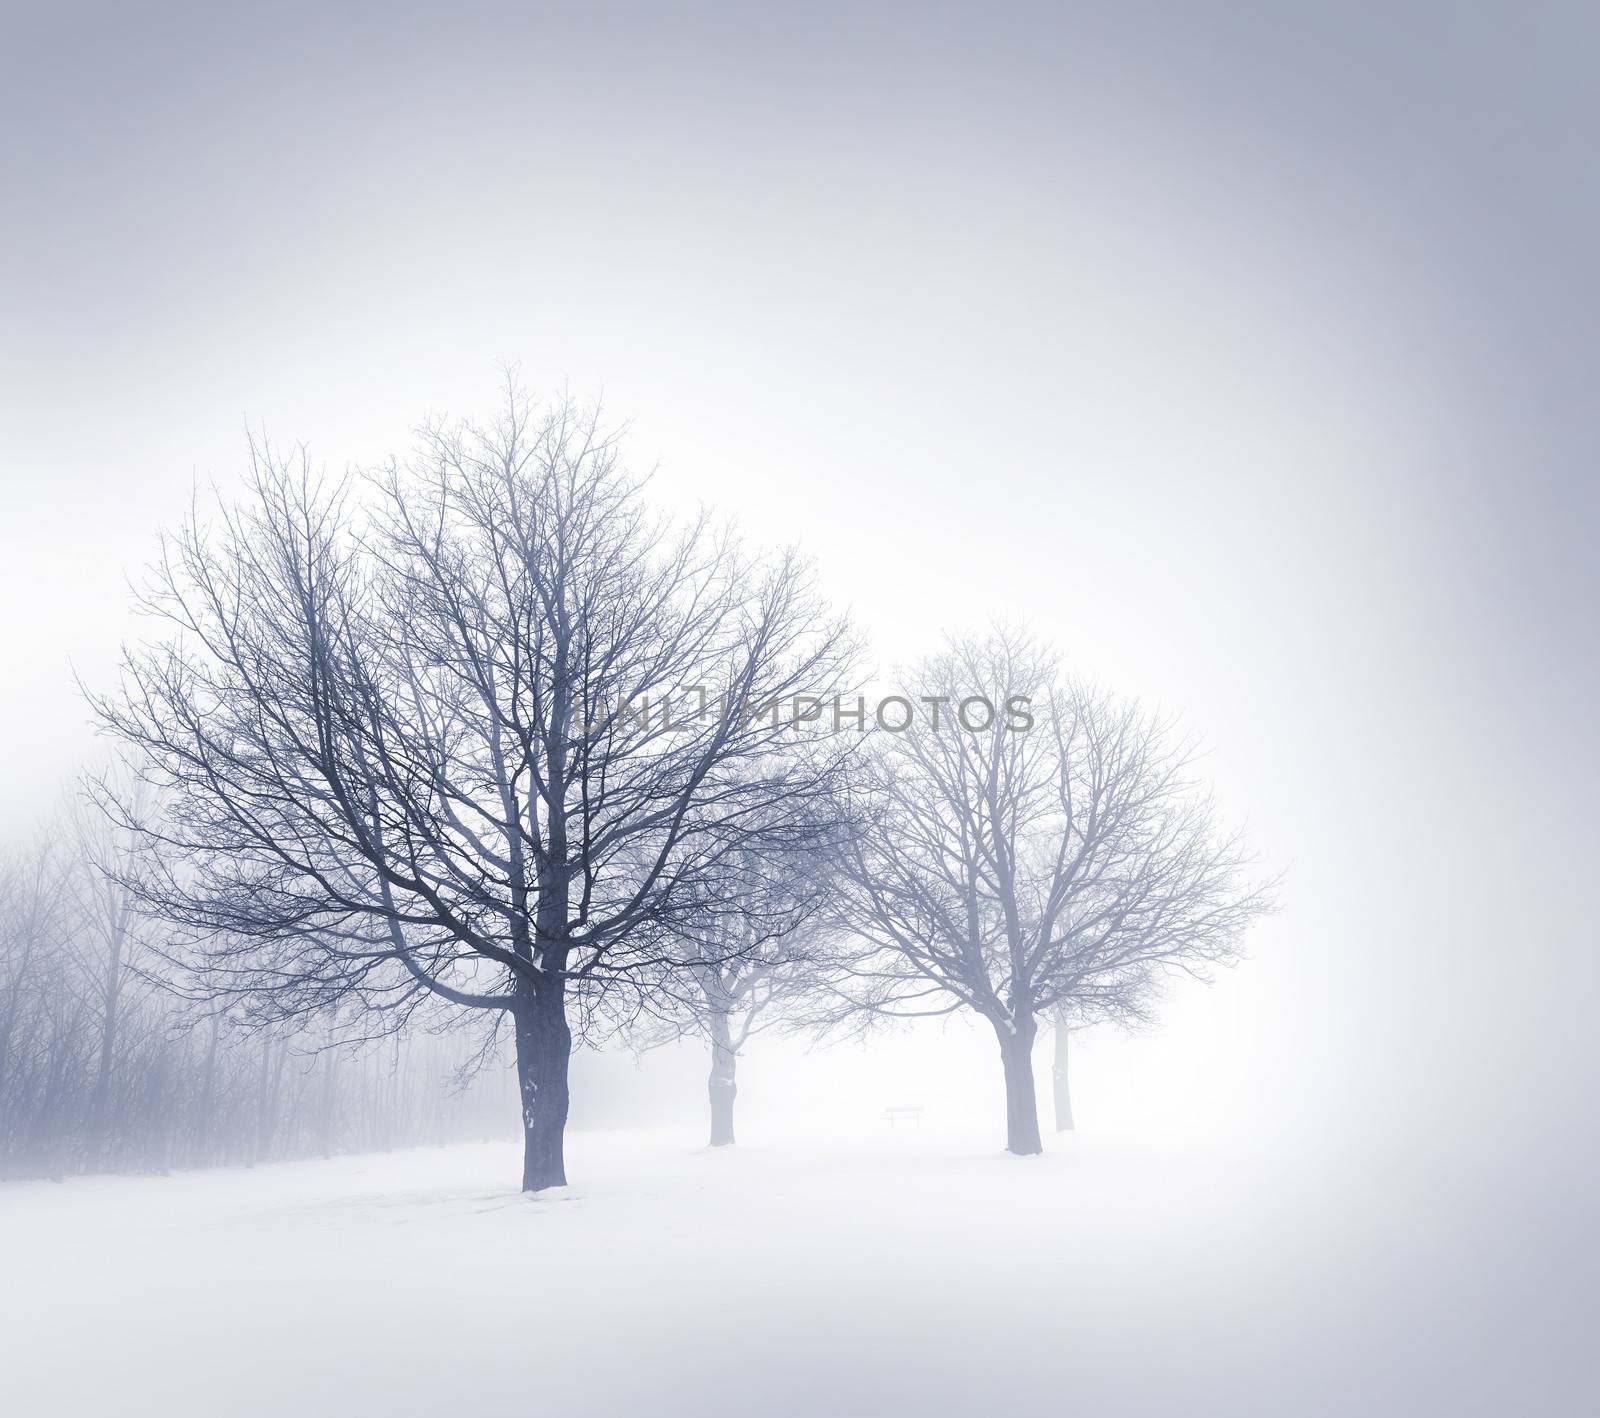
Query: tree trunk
x,y
158,1125
205,1123
100,1124
271,1083
722,1085
544,1052
1022,1107
330,1103
1058,1077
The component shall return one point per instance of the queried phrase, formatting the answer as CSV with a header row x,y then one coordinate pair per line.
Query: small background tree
x,y
754,962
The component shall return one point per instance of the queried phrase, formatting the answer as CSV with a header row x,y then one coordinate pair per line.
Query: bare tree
x,y
752,961
106,935
1033,846
42,1044
103,1069
32,905
477,731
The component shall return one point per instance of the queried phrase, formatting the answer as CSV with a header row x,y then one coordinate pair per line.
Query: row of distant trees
x,y
103,1068
413,752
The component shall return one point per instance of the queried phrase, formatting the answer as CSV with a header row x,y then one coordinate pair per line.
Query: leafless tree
x,y
104,1069
476,731
40,1009
1042,848
753,962
106,937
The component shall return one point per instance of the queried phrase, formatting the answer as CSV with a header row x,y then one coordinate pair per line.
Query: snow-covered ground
x,y
906,1271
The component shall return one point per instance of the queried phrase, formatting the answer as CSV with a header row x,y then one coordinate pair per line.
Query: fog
x,y
1242,353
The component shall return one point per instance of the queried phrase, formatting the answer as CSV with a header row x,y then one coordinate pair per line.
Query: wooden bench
x,y
897,1111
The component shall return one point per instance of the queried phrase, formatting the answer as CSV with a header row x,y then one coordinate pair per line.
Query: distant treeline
x,y
102,1069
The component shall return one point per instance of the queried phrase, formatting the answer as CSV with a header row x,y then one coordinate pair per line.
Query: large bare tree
x,y
1027,846
478,731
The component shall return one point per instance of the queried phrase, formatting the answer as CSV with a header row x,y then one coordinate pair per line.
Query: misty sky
x,y
1246,351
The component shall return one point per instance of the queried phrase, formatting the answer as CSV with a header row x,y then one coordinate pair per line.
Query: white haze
x,y
1238,356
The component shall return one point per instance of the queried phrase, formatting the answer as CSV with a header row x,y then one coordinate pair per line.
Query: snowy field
x,y
896,1272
